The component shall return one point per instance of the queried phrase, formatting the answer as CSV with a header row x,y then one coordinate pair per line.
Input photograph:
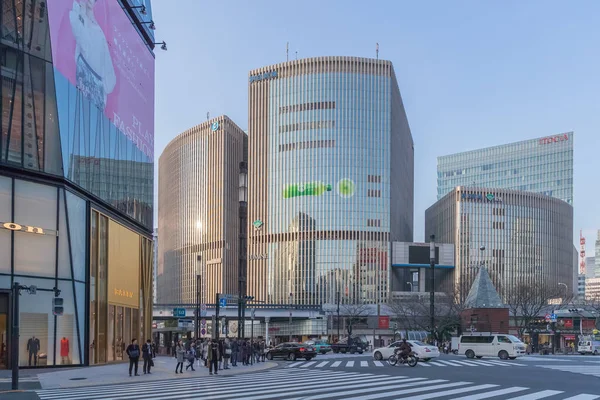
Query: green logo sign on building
x,y
257,224
490,197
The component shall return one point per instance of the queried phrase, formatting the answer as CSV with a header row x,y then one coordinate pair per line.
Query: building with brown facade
x,y
198,213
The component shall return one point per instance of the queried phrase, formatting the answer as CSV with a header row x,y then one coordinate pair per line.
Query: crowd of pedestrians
x,y
214,354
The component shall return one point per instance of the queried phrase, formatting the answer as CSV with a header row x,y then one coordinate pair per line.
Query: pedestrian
x,y
133,351
226,353
191,357
213,357
221,352
205,347
234,353
243,352
147,355
179,352
153,350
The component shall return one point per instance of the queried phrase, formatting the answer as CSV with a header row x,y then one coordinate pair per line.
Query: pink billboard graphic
x,y
96,47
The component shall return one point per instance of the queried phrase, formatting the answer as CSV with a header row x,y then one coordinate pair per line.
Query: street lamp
x,y
411,286
432,289
243,216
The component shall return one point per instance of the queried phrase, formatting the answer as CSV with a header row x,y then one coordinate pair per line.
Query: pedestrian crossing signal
x,y
57,306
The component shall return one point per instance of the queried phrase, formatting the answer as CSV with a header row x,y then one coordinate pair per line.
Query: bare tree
x,y
526,303
353,313
593,303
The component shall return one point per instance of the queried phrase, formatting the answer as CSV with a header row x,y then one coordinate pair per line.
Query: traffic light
x,y
57,306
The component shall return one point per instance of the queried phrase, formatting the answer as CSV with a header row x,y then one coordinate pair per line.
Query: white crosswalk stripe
x,y
375,363
21,379
589,369
284,384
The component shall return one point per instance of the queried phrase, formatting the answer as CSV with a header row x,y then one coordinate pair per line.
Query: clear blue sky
x,y
472,73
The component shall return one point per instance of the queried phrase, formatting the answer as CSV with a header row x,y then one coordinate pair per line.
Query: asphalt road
x,y
362,378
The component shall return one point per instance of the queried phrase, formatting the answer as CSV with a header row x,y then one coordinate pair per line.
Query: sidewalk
x,y
164,368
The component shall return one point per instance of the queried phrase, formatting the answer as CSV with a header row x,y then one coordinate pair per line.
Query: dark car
x,y
292,351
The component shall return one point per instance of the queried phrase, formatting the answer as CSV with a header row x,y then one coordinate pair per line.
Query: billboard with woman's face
x,y
97,49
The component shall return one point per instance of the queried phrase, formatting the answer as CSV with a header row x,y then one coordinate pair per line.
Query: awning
x,y
569,337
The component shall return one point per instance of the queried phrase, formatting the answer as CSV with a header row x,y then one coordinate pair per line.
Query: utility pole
x,y
432,289
290,317
243,246
216,327
338,315
198,288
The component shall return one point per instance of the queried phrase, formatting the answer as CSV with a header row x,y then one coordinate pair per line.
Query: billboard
x,y
97,49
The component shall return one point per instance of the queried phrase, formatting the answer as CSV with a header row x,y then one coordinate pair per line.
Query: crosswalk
x,y
583,369
285,384
383,363
21,379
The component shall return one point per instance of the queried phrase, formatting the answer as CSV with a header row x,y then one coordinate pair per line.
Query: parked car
x,y
292,351
423,352
320,346
491,345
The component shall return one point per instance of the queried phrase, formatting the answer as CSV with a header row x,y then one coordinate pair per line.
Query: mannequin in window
x,y
33,346
64,351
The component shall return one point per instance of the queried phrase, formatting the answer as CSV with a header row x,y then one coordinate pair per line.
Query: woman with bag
x,y
227,354
133,351
179,352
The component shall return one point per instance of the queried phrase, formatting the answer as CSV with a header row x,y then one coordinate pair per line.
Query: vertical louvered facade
x,y
330,182
198,213
528,237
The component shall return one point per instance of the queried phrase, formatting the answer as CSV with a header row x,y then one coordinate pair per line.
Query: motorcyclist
x,y
404,349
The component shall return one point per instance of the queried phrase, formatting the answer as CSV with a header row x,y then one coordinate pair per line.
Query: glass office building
x,y
330,182
528,237
76,176
198,212
543,165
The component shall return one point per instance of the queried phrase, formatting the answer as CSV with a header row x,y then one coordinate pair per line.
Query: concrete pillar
x,y
267,319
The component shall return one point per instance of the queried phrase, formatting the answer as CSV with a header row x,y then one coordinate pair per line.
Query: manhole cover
x,y
77,379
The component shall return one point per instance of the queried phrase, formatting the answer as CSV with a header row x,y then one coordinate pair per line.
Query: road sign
x,y
203,322
223,302
179,312
547,317
553,317
203,331
252,313
203,307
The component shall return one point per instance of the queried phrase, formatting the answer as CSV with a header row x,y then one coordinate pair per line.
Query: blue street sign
x,y
179,312
223,302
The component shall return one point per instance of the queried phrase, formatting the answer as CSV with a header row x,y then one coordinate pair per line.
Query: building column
x,y
267,319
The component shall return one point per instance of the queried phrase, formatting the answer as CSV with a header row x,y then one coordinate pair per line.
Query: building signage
x,y
11,226
258,257
554,139
263,76
124,293
214,126
258,224
490,197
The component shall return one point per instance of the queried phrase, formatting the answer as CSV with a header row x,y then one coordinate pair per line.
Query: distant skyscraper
x,y
597,256
543,165
198,212
590,267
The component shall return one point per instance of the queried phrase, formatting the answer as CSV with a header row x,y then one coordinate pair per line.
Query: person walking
x,y
234,353
179,353
147,355
191,356
226,353
133,351
243,351
262,351
213,357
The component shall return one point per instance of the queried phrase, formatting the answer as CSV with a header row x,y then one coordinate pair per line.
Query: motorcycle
x,y
410,359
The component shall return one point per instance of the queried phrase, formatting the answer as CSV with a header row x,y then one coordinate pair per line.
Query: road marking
x,y
424,364
486,363
349,364
538,395
463,363
336,364
450,392
450,363
324,363
295,364
437,364
495,393
405,391
384,389
583,397
364,363
378,363
308,364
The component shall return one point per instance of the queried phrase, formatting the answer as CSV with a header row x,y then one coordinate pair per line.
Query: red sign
x,y
554,139
568,324
569,337
384,322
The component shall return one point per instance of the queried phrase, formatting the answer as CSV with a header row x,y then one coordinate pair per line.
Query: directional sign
x,y
179,312
553,317
203,331
223,302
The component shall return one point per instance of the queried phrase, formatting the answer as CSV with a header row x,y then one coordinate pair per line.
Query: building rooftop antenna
x,y
207,115
296,54
287,51
377,50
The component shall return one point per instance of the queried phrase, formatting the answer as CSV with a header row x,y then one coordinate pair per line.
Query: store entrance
x,y
4,328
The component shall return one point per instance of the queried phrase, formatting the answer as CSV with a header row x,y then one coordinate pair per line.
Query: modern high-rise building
x,y
590,267
543,165
527,238
198,212
331,164
76,178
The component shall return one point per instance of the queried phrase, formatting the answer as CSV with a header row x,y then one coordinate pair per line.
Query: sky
x,y
472,74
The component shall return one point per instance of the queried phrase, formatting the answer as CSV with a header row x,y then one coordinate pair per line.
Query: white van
x,y
589,346
491,345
